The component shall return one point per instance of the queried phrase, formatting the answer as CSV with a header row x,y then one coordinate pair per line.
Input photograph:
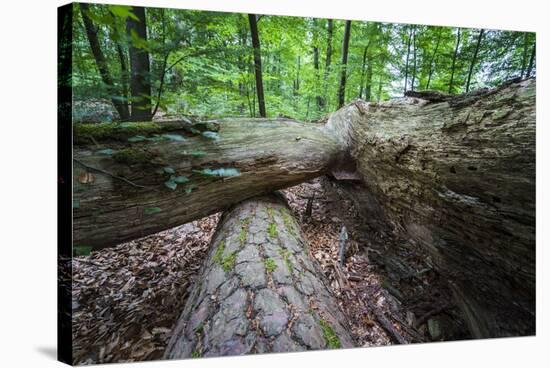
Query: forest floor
x,y
126,299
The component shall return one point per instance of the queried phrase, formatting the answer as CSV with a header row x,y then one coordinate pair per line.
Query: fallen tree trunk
x,y
258,291
135,179
458,177
454,174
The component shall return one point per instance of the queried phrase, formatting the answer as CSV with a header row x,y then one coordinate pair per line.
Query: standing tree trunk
x,y
140,75
524,56
414,59
91,32
432,60
257,63
328,60
259,290
363,70
124,78
531,60
318,98
407,62
345,49
474,58
453,65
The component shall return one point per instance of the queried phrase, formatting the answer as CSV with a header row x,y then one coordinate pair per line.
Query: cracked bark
x,y
259,290
455,174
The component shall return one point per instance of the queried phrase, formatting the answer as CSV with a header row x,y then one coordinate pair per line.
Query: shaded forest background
x,y
157,61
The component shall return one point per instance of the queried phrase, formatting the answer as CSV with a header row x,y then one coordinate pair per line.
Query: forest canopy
x,y
187,62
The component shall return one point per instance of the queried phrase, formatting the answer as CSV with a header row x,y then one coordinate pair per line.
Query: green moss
x,y
195,354
272,230
89,133
270,265
228,262
131,156
287,221
286,258
270,212
242,235
333,342
218,256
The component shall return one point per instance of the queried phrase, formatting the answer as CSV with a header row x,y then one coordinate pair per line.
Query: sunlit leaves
x,y
174,137
180,179
171,184
106,152
169,170
211,135
136,138
122,11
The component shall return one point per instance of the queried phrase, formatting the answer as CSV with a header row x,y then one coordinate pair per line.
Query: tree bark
x,y
414,59
407,62
474,58
129,181
531,60
101,63
257,63
455,55
345,48
456,176
140,75
430,73
258,291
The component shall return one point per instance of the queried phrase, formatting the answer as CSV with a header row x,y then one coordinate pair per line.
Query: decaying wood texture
x,y
259,290
454,174
458,177
115,192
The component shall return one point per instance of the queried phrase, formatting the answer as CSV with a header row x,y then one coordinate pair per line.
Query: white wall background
x,y
28,180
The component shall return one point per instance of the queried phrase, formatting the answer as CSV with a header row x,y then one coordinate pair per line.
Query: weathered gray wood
x,y
126,185
457,177
259,290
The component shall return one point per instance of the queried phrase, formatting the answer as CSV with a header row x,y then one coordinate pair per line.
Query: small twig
x,y
111,175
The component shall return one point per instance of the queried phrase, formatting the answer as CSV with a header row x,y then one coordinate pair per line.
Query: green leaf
x,y
122,11
211,135
82,250
136,138
76,203
189,188
174,137
171,184
106,152
151,210
169,170
180,179
222,172
195,153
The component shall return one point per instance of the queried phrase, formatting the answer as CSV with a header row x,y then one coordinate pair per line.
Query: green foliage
x,y
272,230
332,340
81,250
270,265
171,184
209,67
285,253
106,152
218,256
169,170
131,156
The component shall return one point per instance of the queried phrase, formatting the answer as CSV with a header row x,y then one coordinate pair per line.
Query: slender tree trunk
x,y
257,63
531,61
140,82
124,79
318,98
453,65
407,62
101,63
345,48
432,60
259,282
328,61
414,59
524,56
474,59
379,93
363,70
369,81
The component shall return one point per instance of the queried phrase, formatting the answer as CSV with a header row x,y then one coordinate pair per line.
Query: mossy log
x,y
456,176
259,290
